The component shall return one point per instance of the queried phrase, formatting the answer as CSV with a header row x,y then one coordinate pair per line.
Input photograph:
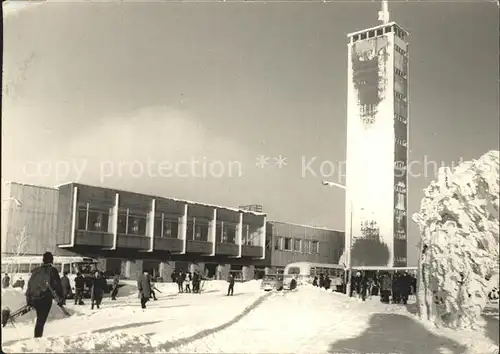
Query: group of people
x,y
323,281
6,282
45,285
400,286
187,282
97,287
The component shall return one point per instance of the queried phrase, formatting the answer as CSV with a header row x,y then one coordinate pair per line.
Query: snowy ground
x,y
309,320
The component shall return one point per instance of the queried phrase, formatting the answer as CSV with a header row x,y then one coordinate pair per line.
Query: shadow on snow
x,y
391,333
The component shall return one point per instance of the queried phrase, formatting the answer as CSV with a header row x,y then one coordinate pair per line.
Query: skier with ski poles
x,y
43,286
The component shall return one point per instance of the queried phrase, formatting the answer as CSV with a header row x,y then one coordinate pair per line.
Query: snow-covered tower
x,y
377,144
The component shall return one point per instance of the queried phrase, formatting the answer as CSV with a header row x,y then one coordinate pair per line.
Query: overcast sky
x,y
90,85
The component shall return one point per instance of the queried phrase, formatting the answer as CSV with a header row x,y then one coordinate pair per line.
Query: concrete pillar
x,y
183,228
239,234
132,269
197,267
150,222
222,272
212,230
262,238
166,270
248,272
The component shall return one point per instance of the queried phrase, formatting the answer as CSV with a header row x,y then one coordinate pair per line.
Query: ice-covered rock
x,y
458,220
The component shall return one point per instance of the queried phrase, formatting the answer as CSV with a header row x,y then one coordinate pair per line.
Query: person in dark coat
x,y
365,287
356,282
97,290
19,283
321,280
66,286
315,281
42,285
173,276
328,282
230,289
6,281
116,282
153,295
385,288
144,287
196,282
180,281
405,287
396,288
79,288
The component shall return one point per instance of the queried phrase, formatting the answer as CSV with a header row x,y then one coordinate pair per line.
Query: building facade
x,y
377,146
129,232
287,243
29,219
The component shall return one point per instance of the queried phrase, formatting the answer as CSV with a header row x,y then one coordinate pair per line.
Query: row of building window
x,y
379,32
400,235
400,189
400,107
399,50
401,141
400,73
296,245
400,118
400,96
400,201
165,226
399,213
368,109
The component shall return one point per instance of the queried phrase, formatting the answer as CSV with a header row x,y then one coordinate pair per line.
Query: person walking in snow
x,y
405,287
365,287
6,281
187,283
180,281
196,282
79,288
385,288
315,281
321,280
328,282
97,290
144,287
231,281
114,287
43,284
151,281
66,286
396,288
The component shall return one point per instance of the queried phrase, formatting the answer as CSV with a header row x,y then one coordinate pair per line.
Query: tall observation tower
x,y
377,144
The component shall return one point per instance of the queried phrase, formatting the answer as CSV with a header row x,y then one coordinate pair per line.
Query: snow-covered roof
x,y
307,226
31,185
171,198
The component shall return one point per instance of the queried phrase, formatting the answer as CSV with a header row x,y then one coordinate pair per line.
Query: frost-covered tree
x,y
19,248
458,220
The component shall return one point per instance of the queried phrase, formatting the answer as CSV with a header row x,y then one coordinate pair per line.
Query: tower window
x,y
371,34
388,29
380,32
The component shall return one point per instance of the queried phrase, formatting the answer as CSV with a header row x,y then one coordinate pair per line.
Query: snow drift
x,y
458,220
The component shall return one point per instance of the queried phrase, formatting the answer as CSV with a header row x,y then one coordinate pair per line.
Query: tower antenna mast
x,y
383,14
